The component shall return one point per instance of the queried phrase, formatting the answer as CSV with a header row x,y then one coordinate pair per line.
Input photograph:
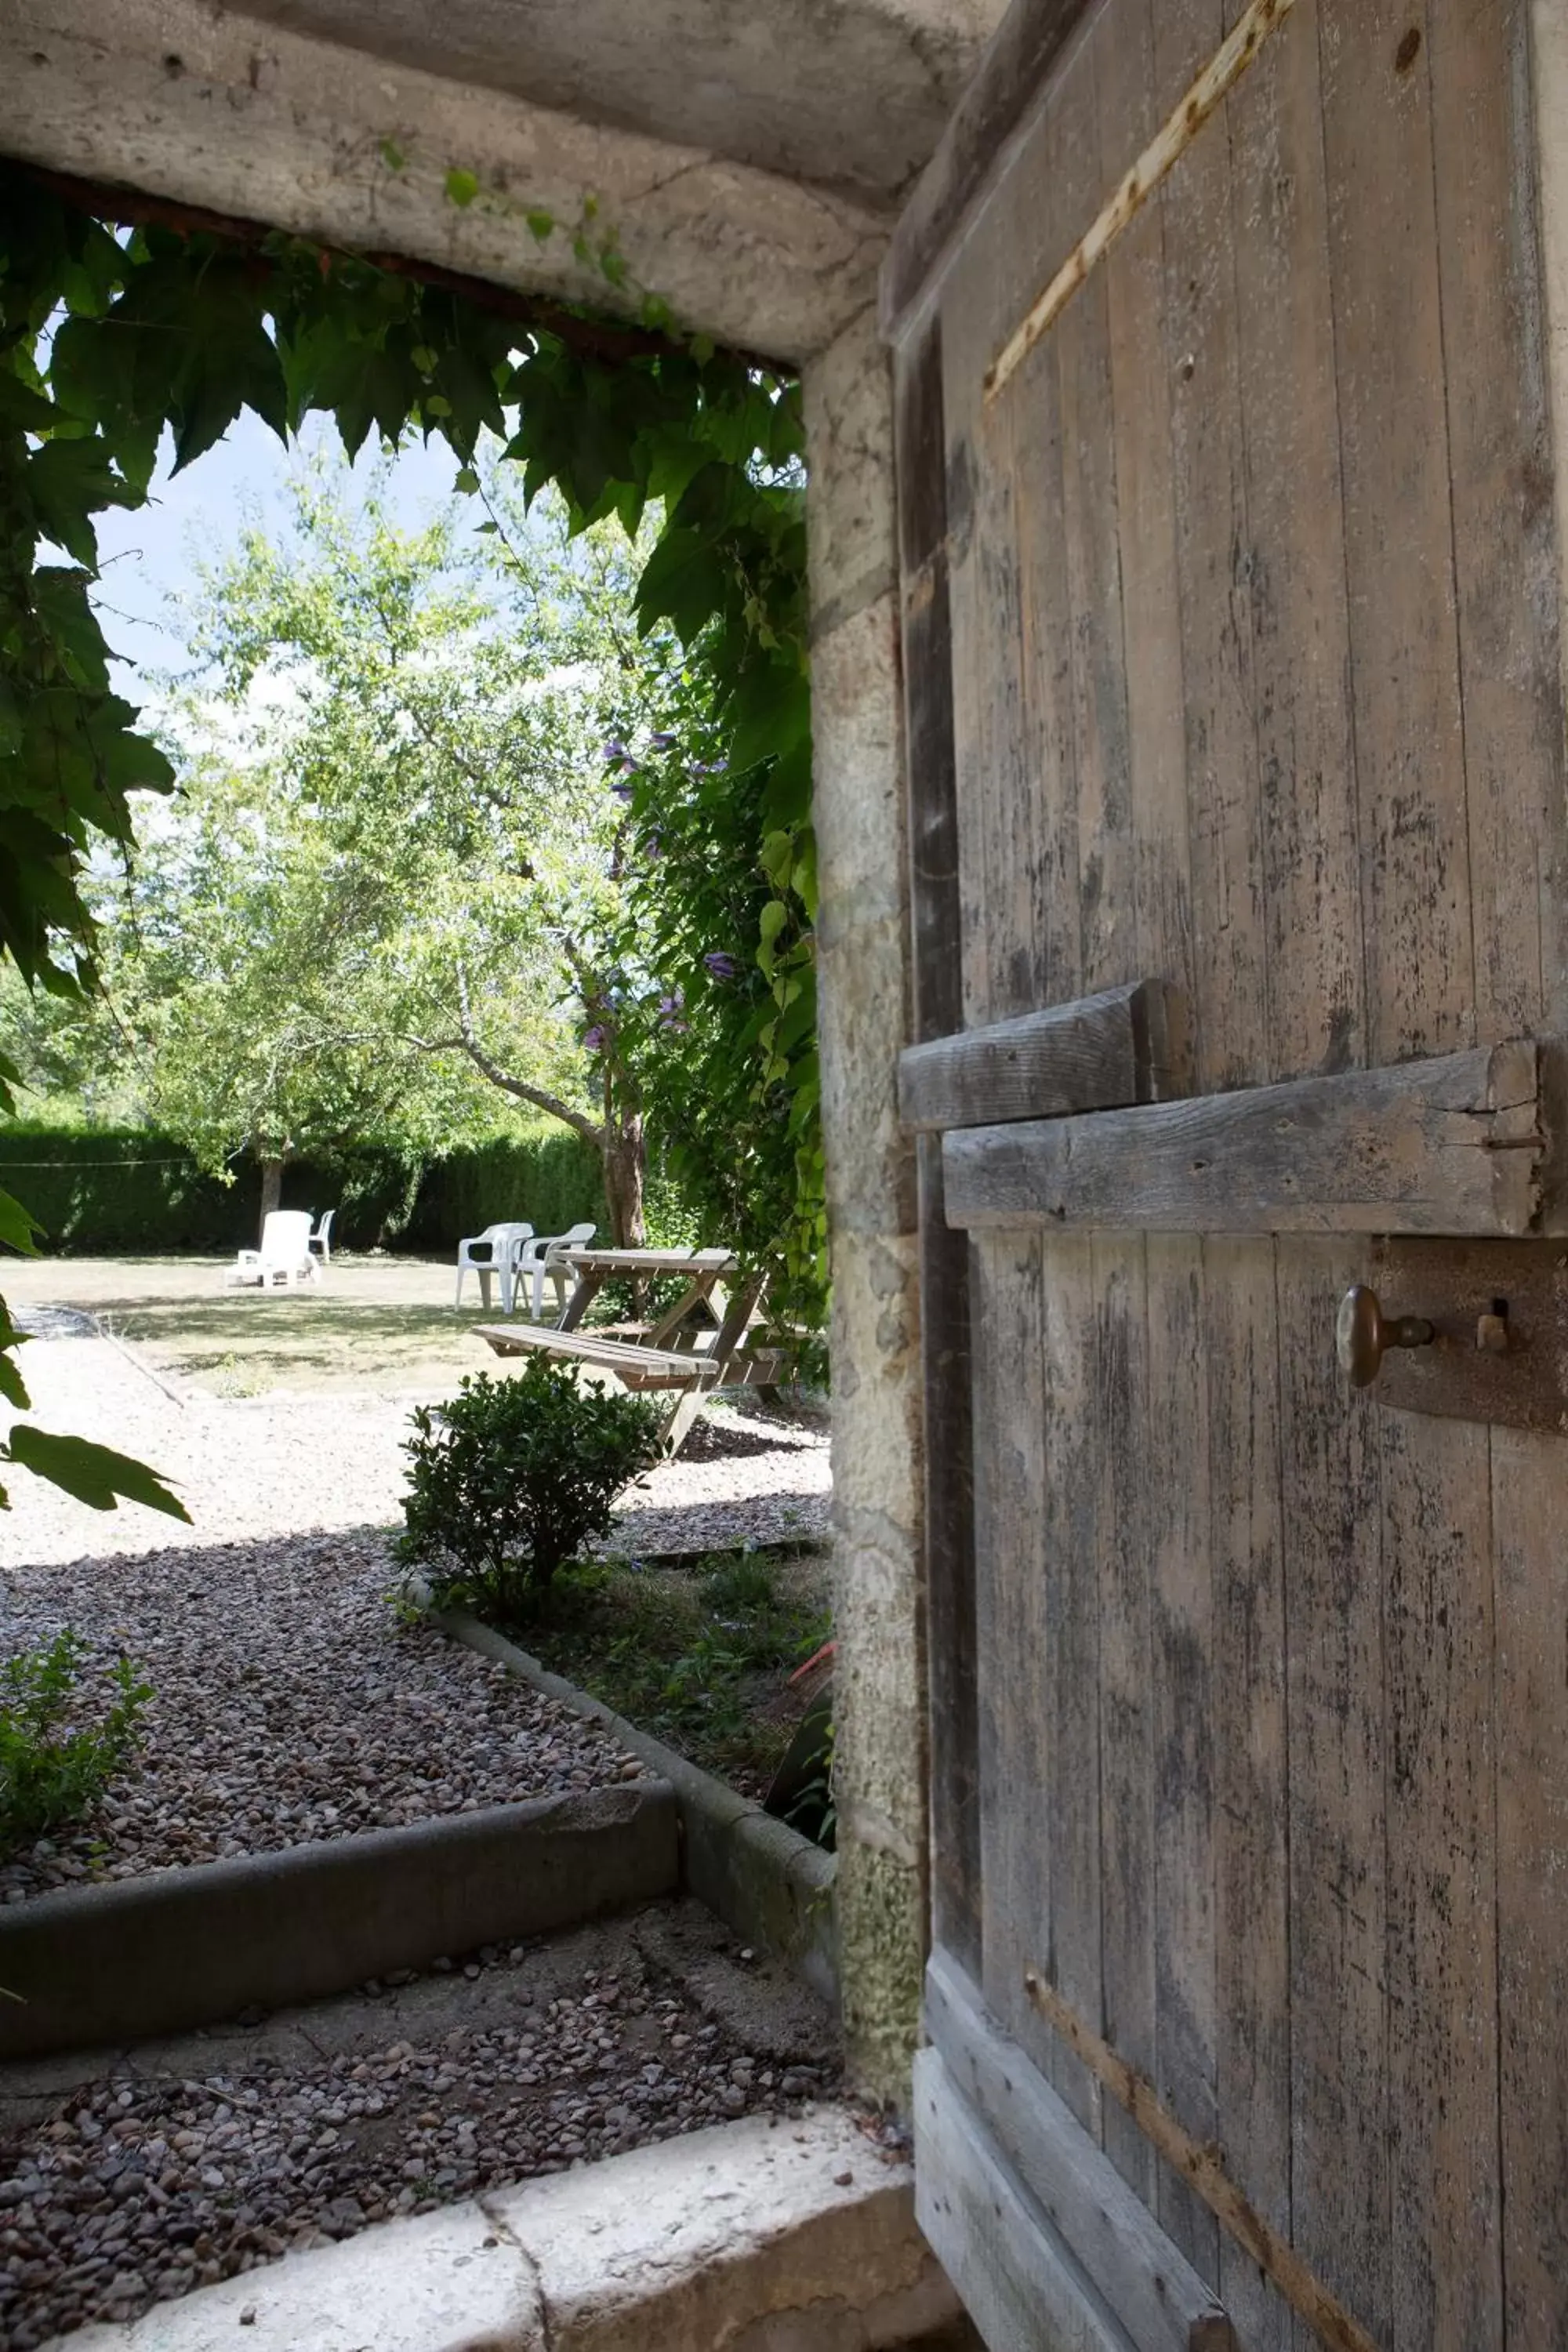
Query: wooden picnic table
x,y
681,1351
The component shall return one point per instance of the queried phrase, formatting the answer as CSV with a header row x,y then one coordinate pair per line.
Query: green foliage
x,y
50,1770
511,1477
551,1179
165,329
695,1653
123,1191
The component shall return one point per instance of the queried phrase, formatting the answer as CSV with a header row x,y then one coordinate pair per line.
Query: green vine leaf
x,y
461,187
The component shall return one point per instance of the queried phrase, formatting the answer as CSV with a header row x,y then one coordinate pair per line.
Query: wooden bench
x,y
675,1353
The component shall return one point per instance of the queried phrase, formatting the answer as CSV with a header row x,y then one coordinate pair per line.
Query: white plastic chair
x,y
543,1259
321,1239
498,1247
284,1259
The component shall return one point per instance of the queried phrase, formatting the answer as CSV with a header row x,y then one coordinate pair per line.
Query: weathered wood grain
x,y
1089,506
1158,2297
947,1535
1530,1512
1124,1046
1036,905
983,605
1504,526
1131,101
1237,1344
1446,2251
1188,1715
1453,1145
1295,566
1062,1682
1393,441
1212,610
1030,39
1203,2163
1141,180
1012,2268
1020,1802
1125,1521
1330,1507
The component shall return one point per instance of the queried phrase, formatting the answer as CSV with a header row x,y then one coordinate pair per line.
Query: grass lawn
x,y
375,1324
699,1653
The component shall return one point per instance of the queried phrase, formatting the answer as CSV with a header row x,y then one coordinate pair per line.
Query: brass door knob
x,y
1363,1333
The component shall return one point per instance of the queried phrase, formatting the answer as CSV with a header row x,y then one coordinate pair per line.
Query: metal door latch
x,y
1477,1331
1363,1334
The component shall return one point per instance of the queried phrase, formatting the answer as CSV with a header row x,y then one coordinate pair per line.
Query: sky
x,y
149,556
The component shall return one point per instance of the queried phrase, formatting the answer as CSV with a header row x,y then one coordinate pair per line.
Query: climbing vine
x,y
115,326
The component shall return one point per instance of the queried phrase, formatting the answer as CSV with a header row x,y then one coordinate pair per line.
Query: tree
x,y
174,327
421,718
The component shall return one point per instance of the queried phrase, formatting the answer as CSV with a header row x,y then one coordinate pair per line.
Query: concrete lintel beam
x,y
253,120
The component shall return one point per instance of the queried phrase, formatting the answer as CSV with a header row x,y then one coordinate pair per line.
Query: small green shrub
x,y
511,1477
50,1772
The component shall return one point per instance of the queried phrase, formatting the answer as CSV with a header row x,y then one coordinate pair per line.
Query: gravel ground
x,y
172,2169
288,1704
248,1468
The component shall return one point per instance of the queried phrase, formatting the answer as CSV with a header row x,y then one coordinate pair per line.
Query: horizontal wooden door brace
x,y
1458,1145
1203,2166
1123,1045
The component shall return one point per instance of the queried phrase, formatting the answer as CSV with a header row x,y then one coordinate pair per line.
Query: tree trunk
x,y
623,1158
271,1187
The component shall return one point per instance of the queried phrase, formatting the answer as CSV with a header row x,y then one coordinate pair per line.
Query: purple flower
x,y
622,790
670,1008
653,844
614,751
595,1039
722,966
663,737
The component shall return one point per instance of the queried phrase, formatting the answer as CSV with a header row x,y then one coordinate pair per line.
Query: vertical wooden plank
x,y
1048,849
1442,1955
1530,1505
1082,342
1504,526
1388,342
984,573
1126,1725
1252,2066
1130,104
1213,566
1068,1483
1299,621
952,1663
1176,1468
1330,1508
1020,1800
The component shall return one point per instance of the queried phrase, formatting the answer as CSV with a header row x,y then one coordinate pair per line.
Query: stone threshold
x,y
766,1881
766,2235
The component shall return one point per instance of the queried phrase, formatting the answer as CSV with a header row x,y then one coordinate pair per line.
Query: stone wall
x,y
863,949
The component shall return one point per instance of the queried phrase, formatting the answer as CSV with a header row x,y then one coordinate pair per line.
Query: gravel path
x,y
288,1704
173,2170
272,1467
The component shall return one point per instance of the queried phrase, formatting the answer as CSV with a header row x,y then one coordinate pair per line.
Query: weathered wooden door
x,y
1231,631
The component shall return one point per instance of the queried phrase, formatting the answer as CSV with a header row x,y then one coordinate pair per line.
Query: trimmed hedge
x,y
116,1192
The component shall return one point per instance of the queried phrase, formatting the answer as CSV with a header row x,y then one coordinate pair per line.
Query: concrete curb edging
x,y
763,1879
178,1948
760,2235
